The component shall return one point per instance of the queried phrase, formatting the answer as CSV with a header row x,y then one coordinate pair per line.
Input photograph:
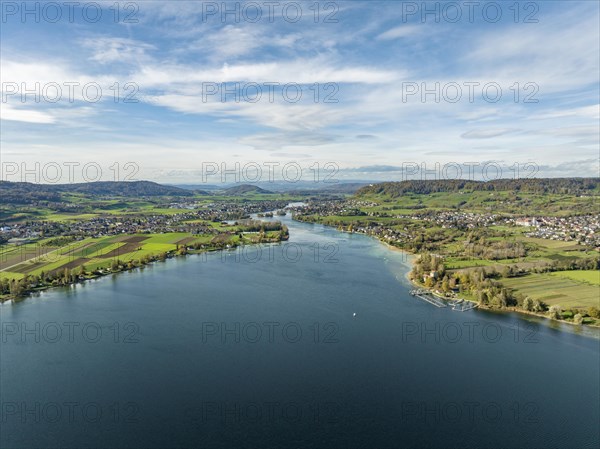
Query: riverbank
x,y
511,309
185,305
20,289
412,258
97,274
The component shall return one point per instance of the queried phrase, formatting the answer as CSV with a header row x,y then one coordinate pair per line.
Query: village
x,y
194,222
583,229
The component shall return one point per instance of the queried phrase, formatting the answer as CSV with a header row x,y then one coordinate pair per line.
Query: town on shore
x,y
475,241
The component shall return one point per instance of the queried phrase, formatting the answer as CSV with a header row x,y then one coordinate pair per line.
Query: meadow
x,y
567,289
100,253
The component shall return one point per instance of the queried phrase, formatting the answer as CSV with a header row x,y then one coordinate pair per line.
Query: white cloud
x,y
7,112
286,141
400,32
279,115
301,71
487,133
557,54
110,49
560,54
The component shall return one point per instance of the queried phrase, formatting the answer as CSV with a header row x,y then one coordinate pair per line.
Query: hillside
x,y
571,186
26,192
345,188
245,189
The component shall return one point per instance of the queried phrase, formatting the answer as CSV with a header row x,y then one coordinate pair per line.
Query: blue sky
x,y
370,56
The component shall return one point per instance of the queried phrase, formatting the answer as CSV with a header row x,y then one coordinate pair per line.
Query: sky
x,y
349,90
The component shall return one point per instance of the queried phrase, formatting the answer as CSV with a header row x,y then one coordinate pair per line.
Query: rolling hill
x,y
26,192
245,189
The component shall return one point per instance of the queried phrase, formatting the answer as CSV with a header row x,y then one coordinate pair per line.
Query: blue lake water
x,y
311,343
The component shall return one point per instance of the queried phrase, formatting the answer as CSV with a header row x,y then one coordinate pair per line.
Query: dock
x,y
459,305
428,297
462,306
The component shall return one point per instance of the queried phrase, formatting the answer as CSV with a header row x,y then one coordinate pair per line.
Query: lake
x,y
315,342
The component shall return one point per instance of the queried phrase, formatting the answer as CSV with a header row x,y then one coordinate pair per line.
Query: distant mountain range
x,y
339,187
300,187
30,193
244,189
24,192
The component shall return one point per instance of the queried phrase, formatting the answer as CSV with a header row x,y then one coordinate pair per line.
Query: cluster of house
x,y
242,209
19,233
185,205
584,229
332,207
103,226
462,220
246,207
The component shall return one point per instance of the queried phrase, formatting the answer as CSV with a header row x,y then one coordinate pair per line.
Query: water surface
x,y
312,343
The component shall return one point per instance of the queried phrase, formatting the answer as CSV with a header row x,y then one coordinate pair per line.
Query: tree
x,y
441,270
16,288
537,306
555,312
452,283
445,285
593,312
528,304
483,297
578,319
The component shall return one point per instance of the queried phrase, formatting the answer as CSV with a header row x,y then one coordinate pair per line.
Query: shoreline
x,y
512,309
95,276
101,273
92,277
410,258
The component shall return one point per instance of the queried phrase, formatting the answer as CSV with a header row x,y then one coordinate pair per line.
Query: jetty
x,y
462,306
459,305
428,297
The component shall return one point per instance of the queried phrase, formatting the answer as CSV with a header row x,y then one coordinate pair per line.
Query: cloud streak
x,y
370,55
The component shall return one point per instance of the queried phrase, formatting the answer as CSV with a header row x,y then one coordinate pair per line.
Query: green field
x,y
101,253
93,253
510,202
558,289
453,263
586,276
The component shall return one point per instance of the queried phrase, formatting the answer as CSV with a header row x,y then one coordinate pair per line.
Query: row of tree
x,y
495,250
20,287
572,186
485,284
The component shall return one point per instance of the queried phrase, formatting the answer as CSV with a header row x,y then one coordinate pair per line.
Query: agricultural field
x,y
94,253
498,202
540,252
558,288
453,263
591,277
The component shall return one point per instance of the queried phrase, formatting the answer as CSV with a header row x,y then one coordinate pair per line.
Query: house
x,y
526,222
